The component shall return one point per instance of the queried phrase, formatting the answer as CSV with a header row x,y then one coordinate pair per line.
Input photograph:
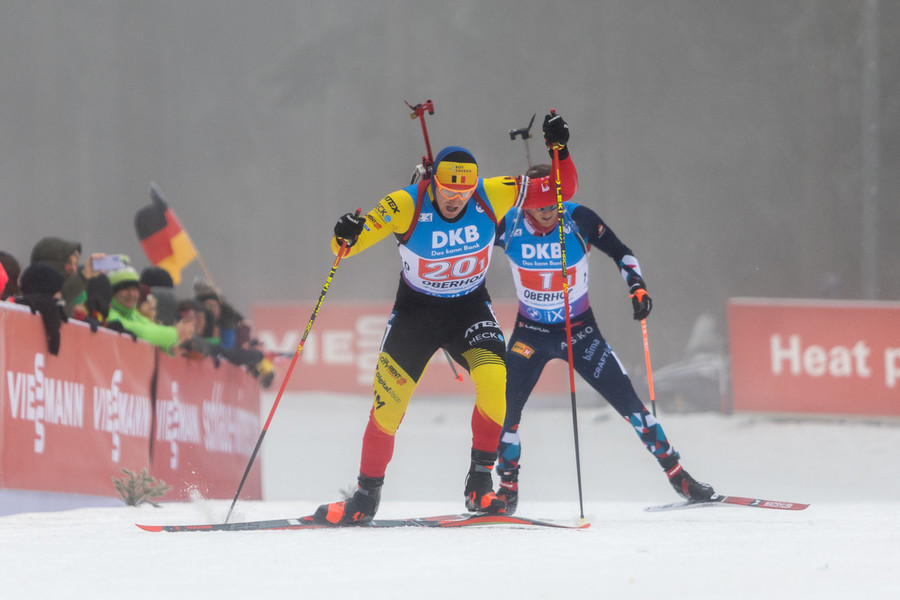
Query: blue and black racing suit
x,y
540,334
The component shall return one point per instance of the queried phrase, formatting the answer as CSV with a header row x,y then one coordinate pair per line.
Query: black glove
x,y
52,314
556,133
348,228
641,301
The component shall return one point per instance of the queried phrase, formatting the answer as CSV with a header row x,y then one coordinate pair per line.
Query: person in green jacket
x,y
123,309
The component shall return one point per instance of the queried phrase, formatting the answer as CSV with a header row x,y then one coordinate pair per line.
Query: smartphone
x,y
110,262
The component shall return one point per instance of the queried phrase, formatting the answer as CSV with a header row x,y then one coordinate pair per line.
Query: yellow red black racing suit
x,y
441,303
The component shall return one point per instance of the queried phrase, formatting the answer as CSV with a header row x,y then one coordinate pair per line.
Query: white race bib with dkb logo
x,y
448,259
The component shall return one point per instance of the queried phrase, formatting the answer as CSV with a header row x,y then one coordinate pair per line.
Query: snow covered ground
x,y
847,544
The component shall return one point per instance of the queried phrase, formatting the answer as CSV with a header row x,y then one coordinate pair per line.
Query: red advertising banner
x,y
71,422
815,356
340,352
207,424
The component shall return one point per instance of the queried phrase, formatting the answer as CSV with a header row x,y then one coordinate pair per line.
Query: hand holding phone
x,y
110,262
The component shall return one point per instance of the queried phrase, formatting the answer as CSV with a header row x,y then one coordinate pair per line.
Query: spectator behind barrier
x,y
11,267
99,297
123,309
63,256
198,346
162,288
96,306
230,331
147,303
41,287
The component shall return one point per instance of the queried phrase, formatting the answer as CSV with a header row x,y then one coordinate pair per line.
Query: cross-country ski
x,y
721,500
309,522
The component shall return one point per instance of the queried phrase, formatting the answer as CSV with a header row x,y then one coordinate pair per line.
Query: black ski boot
x,y
358,509
686,486
509,488
480,496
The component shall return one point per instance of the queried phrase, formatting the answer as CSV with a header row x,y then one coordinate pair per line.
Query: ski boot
x,y
686,486
480,496
509,488
358,509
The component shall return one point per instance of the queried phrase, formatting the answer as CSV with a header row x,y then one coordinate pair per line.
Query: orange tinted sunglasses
x,y
453,194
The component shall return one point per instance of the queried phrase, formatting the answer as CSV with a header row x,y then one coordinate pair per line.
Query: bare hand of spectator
x,y
185,328
88,269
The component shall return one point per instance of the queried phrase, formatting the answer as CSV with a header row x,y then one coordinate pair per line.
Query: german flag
x,y
164,241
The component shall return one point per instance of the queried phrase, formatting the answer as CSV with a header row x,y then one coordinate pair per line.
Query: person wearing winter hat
x,y
225,323
445,226
156,277
539,335
39,278
124,278
40,289
207,295
166,305
162,287
227,320
123,309
147,302
204,291
63,256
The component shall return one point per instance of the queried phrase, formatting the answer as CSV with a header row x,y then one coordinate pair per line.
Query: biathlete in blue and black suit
x,y
530,236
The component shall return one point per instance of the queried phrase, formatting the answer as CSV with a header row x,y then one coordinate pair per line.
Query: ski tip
x,y
784,505
149,527
579,524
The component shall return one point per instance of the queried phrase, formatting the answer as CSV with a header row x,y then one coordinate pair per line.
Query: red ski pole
x,y
649,370
419,113
287,375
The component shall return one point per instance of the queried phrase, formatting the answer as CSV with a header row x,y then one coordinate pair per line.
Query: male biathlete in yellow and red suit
x,y
445,227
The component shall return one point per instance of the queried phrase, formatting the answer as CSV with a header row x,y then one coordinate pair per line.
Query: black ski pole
x,y
525,132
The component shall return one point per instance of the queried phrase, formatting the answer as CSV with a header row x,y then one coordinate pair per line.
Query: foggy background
x,y
739,148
